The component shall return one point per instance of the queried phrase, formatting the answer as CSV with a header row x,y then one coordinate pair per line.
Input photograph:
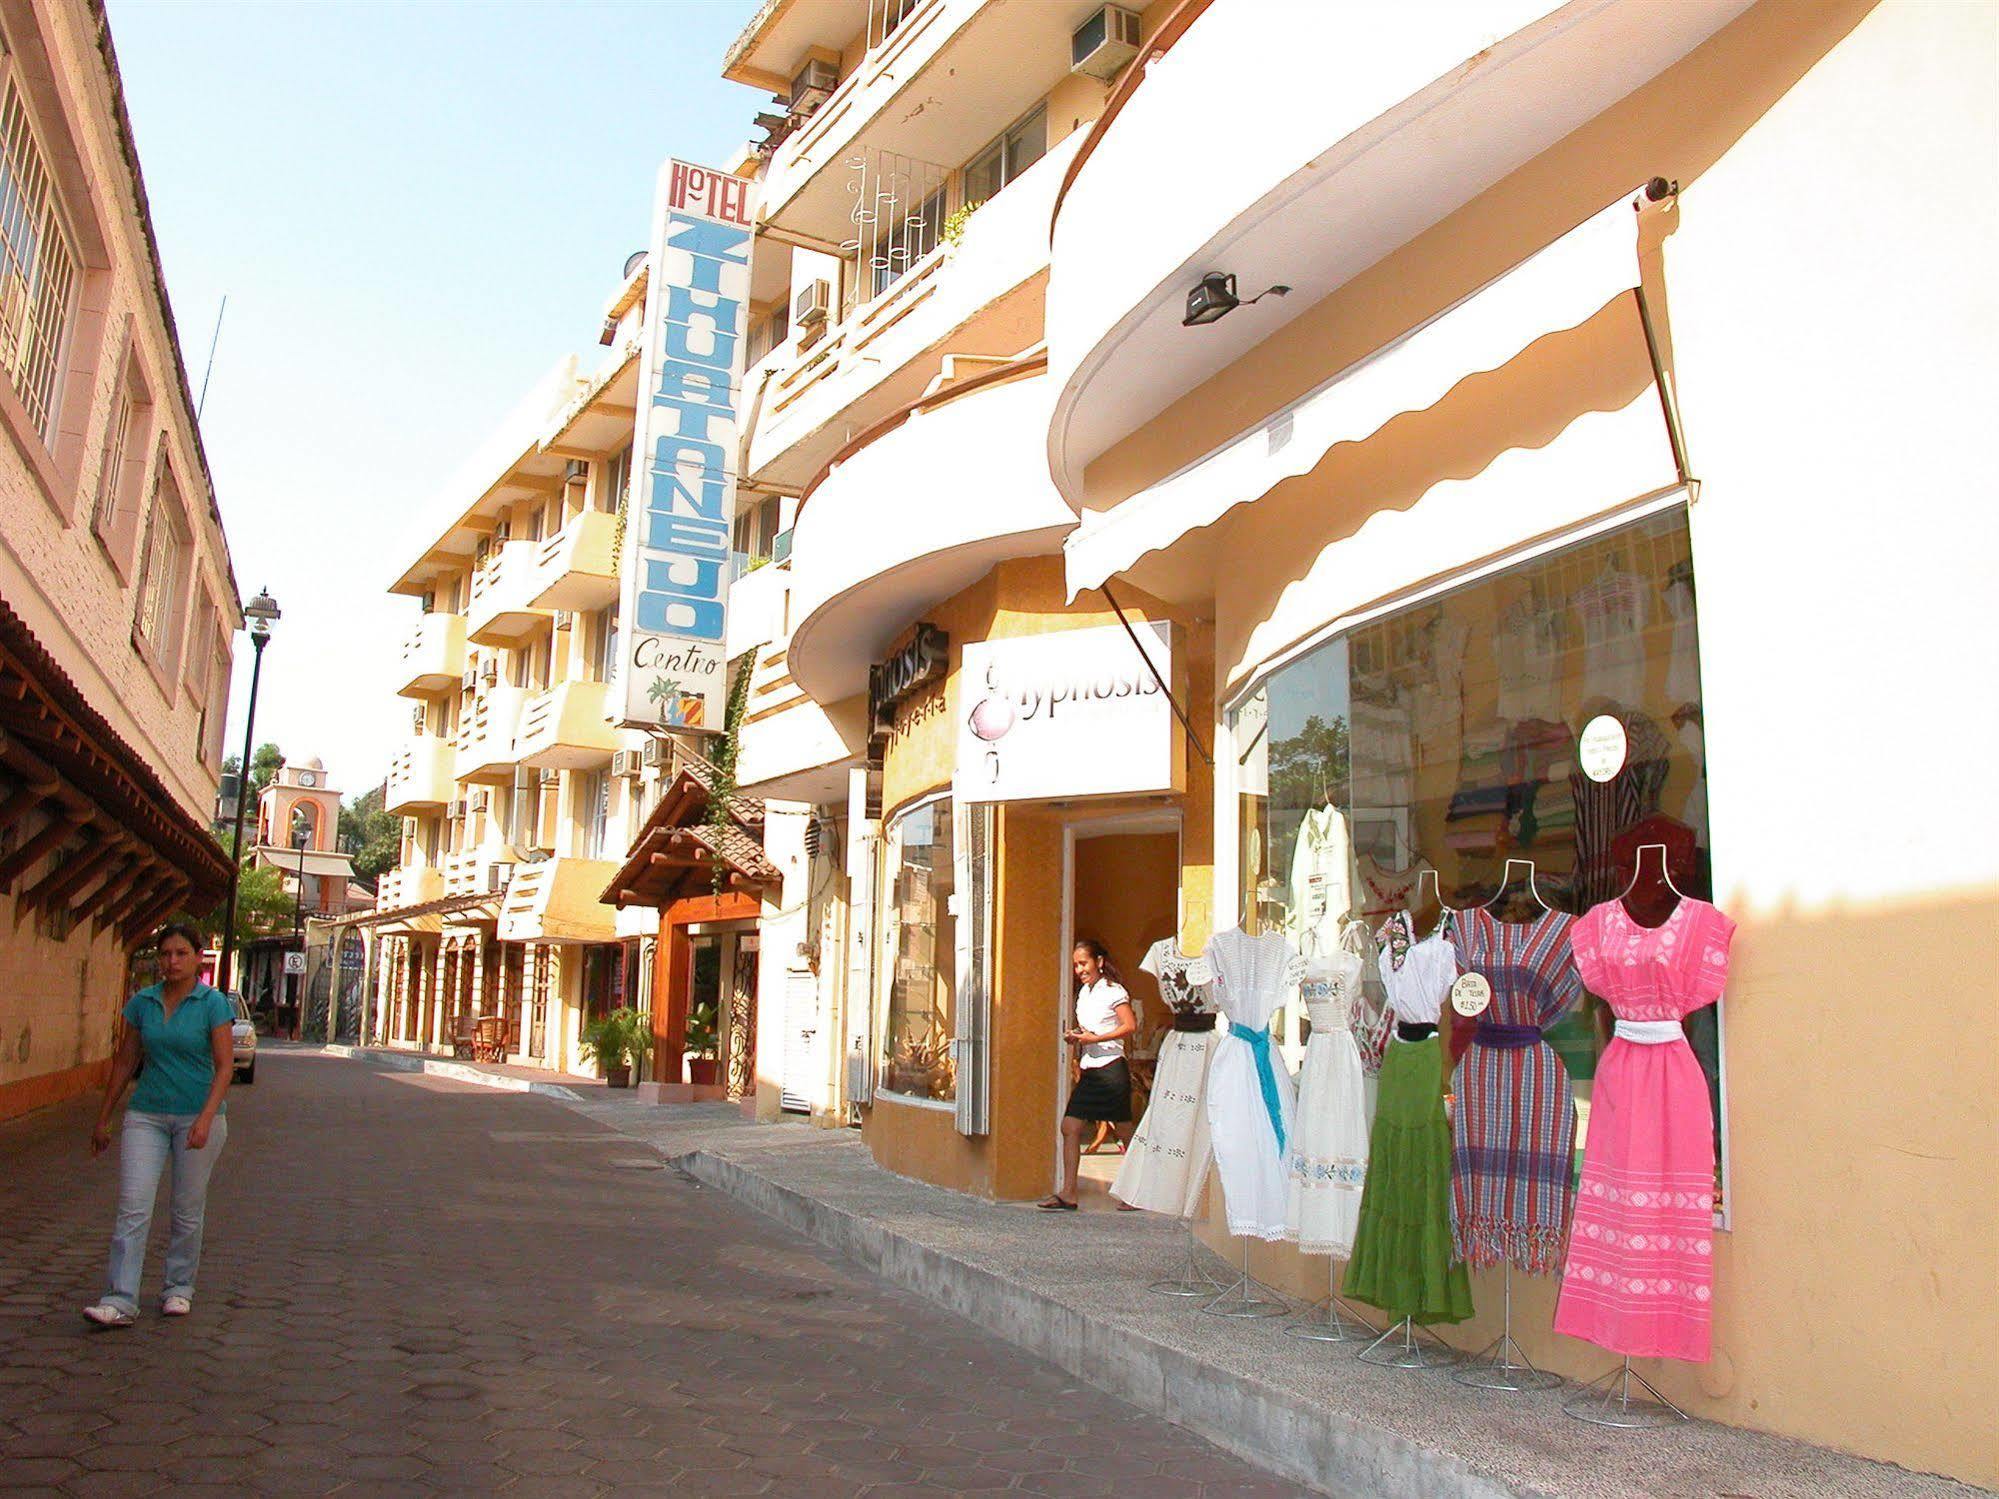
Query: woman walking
x,y
1102,1095
182,1029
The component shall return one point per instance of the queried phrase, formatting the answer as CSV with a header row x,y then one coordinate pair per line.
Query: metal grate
x,y
37,265
975,969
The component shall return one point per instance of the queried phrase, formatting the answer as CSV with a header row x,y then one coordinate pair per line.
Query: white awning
x,y
1555,289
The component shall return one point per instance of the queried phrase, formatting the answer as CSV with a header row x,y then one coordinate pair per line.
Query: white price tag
x,y
1471,994
1602,747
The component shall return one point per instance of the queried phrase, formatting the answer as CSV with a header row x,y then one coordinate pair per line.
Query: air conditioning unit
x,y
655,752
504,531
812,305
489,671
480,800
470,680
813,86
625,762
564,619
1102,46
430,603
420,717
498,877
550,776
456,810
576,471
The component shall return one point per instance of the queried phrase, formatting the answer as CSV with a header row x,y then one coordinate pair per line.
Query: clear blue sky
x,y
414,211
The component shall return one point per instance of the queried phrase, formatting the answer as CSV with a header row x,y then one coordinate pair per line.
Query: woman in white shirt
x,y
1104,1017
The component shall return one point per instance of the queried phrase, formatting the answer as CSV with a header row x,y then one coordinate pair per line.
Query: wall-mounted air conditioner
x,y
550,776
480,800
576,471
625,762
1104,44
655,752
456,810
498,877
504,531
813,85
812,304
564,619
489,671
420,719
470,680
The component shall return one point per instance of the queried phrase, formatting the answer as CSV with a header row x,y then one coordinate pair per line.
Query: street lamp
x,y
261,612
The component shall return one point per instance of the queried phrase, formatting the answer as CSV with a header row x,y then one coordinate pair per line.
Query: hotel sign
x,y
673,608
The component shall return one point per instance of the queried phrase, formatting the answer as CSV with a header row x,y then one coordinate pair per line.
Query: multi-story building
x,y
117,602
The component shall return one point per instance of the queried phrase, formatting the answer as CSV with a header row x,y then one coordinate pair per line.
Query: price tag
x,y
1601,747
1471,994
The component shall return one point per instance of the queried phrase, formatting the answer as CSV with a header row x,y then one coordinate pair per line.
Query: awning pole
x,y
1171,701
1668,405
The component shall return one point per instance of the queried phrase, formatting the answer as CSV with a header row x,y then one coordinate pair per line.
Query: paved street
x,y
413,1285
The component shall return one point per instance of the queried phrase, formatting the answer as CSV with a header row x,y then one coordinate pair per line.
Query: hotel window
x,y
38,266
593,813
1017,149
617,479
162,567
124,437
921,933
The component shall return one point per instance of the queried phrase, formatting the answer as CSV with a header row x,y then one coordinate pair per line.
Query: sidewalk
x,y
565,1087
1072,1289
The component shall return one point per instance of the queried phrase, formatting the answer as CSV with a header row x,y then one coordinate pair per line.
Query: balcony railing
x,y
574,568
412,885
557,900
486,735
502,607
433,656
478,871
420,775
565,728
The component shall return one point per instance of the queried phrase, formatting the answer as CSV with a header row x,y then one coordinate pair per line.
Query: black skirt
x,y
1102,1093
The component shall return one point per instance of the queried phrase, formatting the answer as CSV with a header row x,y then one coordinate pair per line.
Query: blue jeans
x,y
145,1145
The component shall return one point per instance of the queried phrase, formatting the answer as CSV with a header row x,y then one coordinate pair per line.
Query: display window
x,y
1547,711
920,932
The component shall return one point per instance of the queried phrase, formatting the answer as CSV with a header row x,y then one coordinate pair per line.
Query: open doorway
x,y
1122,887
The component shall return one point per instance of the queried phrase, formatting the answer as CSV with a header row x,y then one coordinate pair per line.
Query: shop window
x,y
921,933
1443,737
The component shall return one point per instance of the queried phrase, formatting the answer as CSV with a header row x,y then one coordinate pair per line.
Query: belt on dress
x,y
1196,1020
1649,1032
1266,1074
1415,1030
1506,1037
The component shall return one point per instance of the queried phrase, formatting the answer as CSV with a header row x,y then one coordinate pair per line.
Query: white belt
x,y
1649,1032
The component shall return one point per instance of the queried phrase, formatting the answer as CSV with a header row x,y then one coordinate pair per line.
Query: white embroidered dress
x,y
1250,1093
1167,1164
1328,1163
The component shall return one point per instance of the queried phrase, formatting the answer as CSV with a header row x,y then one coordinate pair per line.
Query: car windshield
x,y
236,1003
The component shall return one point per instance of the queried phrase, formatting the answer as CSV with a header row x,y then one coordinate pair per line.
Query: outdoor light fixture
x,y
1214,298
260,612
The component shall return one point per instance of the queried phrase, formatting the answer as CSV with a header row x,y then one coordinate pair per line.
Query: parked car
x,y
245,1036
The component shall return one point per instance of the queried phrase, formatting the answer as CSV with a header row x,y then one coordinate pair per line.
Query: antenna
x,y
202,399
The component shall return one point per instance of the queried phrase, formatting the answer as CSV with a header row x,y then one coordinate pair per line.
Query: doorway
x,y
1122,887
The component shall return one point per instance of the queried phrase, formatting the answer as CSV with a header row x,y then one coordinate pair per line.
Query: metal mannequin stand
x,y
1407,1346
1329,1321
1240,1299
1194,1279
1503,1364
1606,1401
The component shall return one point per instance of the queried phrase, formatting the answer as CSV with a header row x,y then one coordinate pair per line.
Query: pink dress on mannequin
x,y
1640,1273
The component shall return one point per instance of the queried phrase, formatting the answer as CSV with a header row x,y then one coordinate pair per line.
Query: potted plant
x,y
615,1042
702,1066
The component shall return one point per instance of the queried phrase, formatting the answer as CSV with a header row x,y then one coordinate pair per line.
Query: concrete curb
x,y
398,1061
1266,1425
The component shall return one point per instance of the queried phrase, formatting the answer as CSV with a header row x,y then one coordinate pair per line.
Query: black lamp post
x,y
261,612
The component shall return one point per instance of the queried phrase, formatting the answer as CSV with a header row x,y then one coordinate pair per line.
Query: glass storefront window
x,y
1444,737
917,1059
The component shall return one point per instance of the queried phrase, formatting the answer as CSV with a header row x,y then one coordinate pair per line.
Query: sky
x,y
414,211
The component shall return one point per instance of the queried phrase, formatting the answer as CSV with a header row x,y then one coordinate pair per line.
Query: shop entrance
x,y
1122,887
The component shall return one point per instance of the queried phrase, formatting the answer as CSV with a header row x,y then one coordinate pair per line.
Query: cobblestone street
x,y
415,1285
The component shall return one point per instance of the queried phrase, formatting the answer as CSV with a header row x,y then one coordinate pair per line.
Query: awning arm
x,y
1171,701
1669,404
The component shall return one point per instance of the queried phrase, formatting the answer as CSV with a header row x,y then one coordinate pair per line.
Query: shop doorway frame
x,y
1078,830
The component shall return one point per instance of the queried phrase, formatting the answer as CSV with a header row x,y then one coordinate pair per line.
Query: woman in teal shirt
x,y
183,1029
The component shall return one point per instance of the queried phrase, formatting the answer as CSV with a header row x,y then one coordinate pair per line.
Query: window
x,y
593,813
604,631
119,477
37,265
163,567
768,331
524,808
755,532
618,479
1014,152
1444,737
921,932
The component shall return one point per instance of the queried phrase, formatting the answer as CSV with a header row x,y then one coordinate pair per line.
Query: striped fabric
x,y
1603,809
1514,1126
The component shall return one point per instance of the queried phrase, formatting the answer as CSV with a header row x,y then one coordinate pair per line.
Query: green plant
x,y
953,230
702,1040
617,1039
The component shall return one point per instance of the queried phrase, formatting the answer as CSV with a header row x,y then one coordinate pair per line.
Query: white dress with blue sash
x,y
1250,1094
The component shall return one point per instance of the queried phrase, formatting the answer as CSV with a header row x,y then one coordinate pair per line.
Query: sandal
x,y
1054,1204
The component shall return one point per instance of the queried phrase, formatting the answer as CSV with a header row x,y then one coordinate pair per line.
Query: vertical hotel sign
x,y
674,602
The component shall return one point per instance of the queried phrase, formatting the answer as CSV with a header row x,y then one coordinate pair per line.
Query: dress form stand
x,y
1407,1346
1246,1296
1608,1400
1332,1320
1503,1364
1195,1278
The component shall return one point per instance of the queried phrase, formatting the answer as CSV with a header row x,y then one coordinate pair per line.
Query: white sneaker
x,y
104,1314
176,1306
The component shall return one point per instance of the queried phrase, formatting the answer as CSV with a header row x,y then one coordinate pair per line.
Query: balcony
x,y
792,748
980,300
486,735
574,568
478,871
556,901
502,608
565,728
412,885
918,514
433,656
420,776
1304,163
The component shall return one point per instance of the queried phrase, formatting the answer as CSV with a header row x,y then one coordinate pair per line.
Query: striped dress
x,y
1513,1130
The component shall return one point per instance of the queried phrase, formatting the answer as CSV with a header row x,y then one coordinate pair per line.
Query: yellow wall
x,y
1827,302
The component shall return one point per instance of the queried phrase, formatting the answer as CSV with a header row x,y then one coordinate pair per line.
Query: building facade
x,y
117,602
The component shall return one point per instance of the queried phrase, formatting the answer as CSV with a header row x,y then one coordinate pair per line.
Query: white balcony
x,y
565,728
923,511
574,568
486,735
502,607
792,748
411,885
433,656
980,300
557,900
1299,145
478,871
420,776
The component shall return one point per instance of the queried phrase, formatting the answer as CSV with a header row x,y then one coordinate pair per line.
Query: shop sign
x,y
673,607
1074,713
893,682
